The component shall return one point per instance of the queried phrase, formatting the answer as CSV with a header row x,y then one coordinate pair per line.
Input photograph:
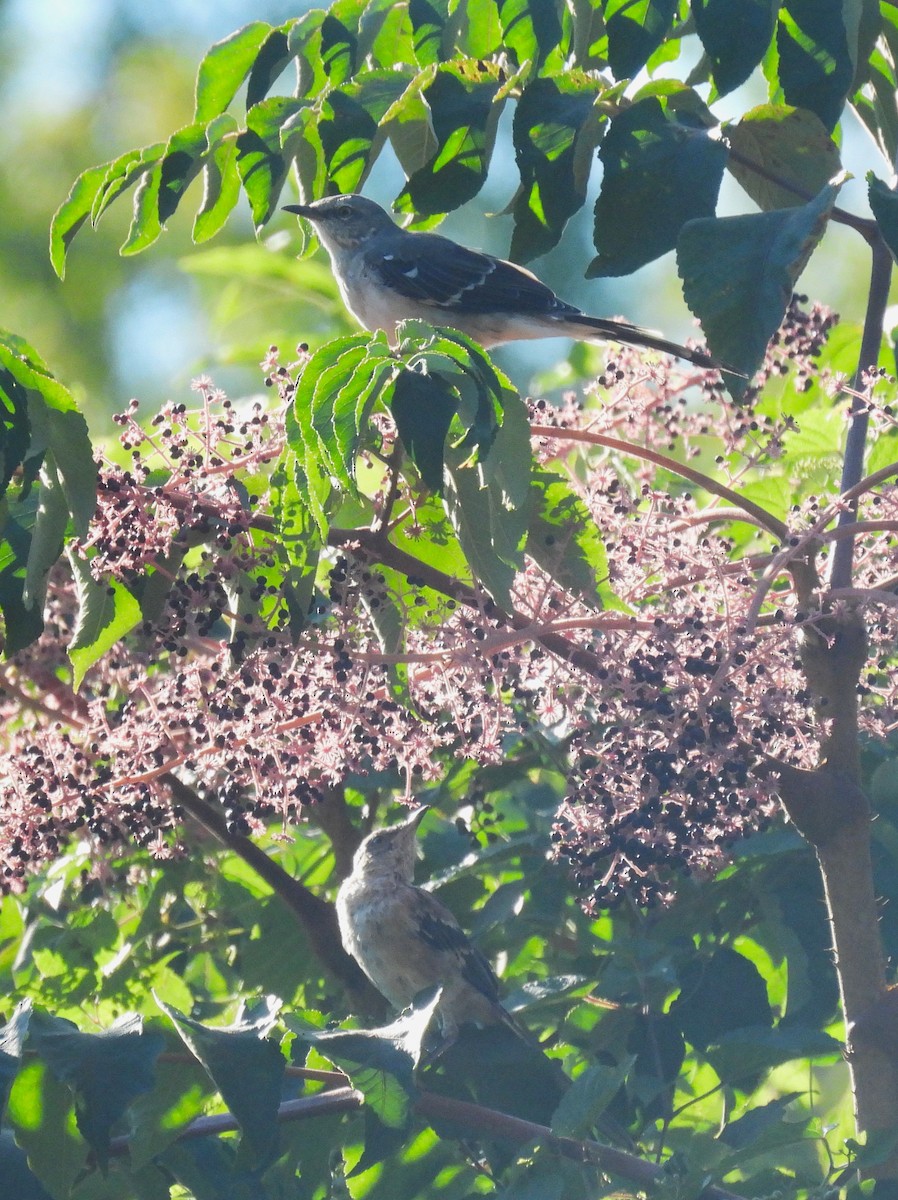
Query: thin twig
x,y
761,516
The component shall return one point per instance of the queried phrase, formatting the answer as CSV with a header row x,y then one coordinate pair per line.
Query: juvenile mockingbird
x,y
387,274
406,941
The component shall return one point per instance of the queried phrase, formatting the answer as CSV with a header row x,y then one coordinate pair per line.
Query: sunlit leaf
x,y
72,214
788,143
556,127
816,68
106,612
635,29
225,66
107,1070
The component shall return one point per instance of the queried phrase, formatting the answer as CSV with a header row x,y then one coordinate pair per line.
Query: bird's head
x,y
391,852
343,221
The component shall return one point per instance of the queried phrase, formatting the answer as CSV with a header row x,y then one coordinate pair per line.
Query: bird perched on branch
x,y
387,274
406,941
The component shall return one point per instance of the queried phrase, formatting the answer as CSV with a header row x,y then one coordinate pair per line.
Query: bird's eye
x,y
344,211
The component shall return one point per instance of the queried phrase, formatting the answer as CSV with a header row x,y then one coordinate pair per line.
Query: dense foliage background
x,y
633,643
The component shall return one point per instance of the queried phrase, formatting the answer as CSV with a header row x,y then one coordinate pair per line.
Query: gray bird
x,y
406,941
387,274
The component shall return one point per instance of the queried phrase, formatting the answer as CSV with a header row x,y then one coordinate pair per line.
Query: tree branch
x,y
480,1120
853,464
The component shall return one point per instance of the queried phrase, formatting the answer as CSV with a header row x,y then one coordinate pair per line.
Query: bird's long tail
x,y
632,335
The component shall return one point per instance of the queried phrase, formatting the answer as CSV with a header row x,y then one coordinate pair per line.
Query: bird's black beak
x,y
302,210
415,819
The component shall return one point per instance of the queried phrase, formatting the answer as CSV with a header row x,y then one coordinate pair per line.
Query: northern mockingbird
x,y
406,941
387,274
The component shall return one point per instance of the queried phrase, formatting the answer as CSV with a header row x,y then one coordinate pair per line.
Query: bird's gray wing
x,y
439,930
436,271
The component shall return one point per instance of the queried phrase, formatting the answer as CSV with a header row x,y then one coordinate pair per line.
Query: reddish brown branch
x,y
480,1120
760,516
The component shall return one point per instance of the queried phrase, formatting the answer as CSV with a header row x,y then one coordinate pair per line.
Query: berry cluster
x,y
666,703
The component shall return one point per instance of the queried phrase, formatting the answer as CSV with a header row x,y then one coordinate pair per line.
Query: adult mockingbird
x,y
406,941
387,274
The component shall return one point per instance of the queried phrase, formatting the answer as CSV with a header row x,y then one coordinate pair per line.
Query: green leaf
x,y
106,612
342,419
635,29
47,536
555,131
315,413
661,170
409,126
180,1095
248,1070
122,173
589,1095
146,226
205,1169
56,425
757,1123
723,993
333,399
428,19
349,126
381,1062
72,214
106,1070
304,42
298,540
348,136
464,111
738,274
339,50
161,188
740,1055
225,67
272,58
41,1113
15,428
310,476
877,103
884,203
735,35
385,34
531,29
301,145
423,406
12,1047
816,67
260,161
565,541
221,179
790,143
480,32
482,500
181,163
486,456
23,625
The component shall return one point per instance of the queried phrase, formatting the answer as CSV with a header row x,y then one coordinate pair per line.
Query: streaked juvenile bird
x,y
387,274
406,940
